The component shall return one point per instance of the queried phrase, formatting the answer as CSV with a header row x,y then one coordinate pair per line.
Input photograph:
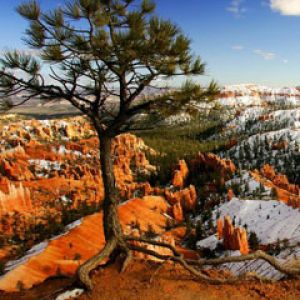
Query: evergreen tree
x,y
274,193
253,241
96,50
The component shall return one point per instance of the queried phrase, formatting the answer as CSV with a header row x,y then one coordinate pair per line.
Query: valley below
x,y
223,183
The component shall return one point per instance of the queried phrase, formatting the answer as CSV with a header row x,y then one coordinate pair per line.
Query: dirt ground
x,y
149,281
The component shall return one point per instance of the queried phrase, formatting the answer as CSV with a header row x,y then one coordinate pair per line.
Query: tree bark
x,y
112,228
111,223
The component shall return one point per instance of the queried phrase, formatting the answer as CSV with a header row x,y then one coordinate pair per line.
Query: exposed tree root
x,y
92,263
290,271
192,266
153,242
178,259
127,260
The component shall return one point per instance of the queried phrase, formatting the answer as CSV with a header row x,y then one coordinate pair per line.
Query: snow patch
x,y
72,294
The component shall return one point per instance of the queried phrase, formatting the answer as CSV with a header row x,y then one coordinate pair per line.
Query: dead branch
x,y
190,265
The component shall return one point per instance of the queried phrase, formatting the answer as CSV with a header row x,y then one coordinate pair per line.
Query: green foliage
x,y
253,241
19,60
30,10
94,46
184,99
174,143
274,193
200,231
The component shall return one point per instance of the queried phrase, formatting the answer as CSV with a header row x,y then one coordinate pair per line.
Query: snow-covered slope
x,y
251,94
271,221
265,136
258,119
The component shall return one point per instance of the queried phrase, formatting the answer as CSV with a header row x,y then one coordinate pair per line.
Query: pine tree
x,y
274,193
253,241
96,50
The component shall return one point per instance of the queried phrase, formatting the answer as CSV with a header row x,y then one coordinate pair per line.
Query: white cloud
x,y
265,54
285,61
286,7
236,7
238,47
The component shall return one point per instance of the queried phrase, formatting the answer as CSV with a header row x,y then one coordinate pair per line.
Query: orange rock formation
x,y
64,254
180,174
210,162
286,192
18,199
233,238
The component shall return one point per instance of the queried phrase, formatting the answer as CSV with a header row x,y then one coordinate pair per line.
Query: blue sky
x,y
242,41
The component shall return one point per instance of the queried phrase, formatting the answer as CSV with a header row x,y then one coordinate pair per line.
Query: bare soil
x,y
150,281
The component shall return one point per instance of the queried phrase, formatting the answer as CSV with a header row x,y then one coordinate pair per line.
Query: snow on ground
x,y
261,267
181,118
258,119
249,119
72,294
248,185
35,250
277,135
46,164
270,220
251,94
257,150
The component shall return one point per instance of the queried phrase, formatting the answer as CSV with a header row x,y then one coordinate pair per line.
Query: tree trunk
x,y
111,223
112,227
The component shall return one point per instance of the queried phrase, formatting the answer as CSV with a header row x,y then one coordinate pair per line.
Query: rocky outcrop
x,y
48,130
268,172
280,145
16,169
182,201
231,144
220,227
285,191
230,194
251,94
50,170
264,118
57,162
234,238
216,163
279,180
158,249
177,212
63,255
180,174
18,199
209,162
